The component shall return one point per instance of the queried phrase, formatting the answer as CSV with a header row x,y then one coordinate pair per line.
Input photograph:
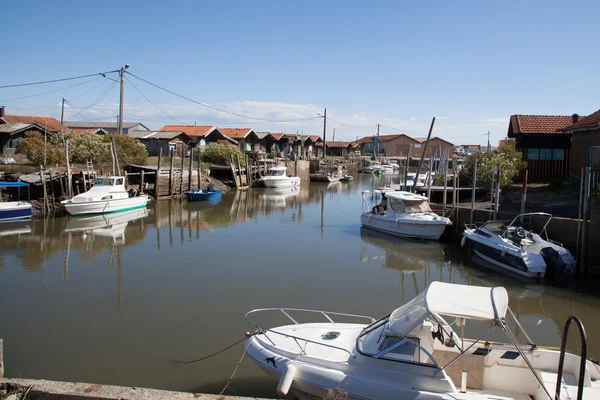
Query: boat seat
x,y
474,365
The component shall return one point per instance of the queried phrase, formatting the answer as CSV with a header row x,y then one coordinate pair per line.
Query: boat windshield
x,y
276,172
410,206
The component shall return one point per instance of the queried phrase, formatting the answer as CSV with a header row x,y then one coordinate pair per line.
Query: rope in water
x,y
233,374
218,352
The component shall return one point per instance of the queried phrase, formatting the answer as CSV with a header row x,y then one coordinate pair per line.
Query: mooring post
x,y
1,359
157,175
430,178
445,196
42,177
171,175
473,191
199,170
240,171
577,244
497,193
142,181
190,169
524,194
182,167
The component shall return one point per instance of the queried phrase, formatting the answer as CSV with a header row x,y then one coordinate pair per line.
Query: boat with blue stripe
x,y
14,210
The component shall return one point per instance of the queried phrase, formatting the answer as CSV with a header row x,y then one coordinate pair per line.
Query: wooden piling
x,y
524,194
62,186
233,173
240,171
84,181
171,175
497,202
1,359
248,172
429,178
190,170
52,190
42,177
116,155
199,170
473,191
182,168
445,196
112,158
142,181
157,176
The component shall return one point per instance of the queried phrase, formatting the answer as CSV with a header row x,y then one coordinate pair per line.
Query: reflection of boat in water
x,y
402,254
106,225
19,227
278,196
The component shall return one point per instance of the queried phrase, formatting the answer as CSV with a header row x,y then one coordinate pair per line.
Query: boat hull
x,y
323,178
429,230
14,210
517,264
202,195
105,206
281,183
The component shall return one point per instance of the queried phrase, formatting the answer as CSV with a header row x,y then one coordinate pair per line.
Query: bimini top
x,y
13,184
451,300
278,168
399,195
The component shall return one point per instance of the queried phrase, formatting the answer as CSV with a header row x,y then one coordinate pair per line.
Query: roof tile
x,y
539,124
592,121
190,130
49,123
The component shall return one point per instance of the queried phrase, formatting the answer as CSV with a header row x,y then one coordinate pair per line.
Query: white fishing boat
x,y
387,168
419,351
401,214
510,247
328,173
276,178
108,195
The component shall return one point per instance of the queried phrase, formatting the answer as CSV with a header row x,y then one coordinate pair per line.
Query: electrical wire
x,y
216,108
102,96
54,80
151,102
349,126
51,91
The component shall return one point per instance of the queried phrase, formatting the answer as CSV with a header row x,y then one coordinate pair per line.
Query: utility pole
x,y
122,79
325,133
488,142
62,117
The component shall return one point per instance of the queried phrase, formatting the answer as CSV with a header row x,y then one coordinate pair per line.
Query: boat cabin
x,y
277,171
398,201
110,181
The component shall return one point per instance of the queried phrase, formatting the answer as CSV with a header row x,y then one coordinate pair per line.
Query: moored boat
x,y
402,214
108,195
511,248
276,178
200,195
14,210
419,351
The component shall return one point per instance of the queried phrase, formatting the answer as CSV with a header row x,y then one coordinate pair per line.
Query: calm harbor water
x,y
118,299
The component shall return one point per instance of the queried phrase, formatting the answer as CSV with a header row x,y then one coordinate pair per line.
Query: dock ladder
x,y
561,361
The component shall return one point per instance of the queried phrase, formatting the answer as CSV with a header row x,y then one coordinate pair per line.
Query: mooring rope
x,y
248,335
233,374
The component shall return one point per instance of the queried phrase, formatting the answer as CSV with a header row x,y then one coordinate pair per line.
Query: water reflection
x,y
190,270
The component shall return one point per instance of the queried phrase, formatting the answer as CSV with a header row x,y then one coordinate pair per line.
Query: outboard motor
x,y
555,266
132,192
210,187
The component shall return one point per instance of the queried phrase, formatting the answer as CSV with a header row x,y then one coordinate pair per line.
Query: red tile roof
x,y
590,122
315,138
277,136
190,130
338,144
537,124
52,123
236,133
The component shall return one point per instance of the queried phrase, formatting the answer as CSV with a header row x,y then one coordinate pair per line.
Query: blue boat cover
x,y
13,184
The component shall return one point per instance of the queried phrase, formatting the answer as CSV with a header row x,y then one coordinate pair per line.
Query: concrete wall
x,y
299,168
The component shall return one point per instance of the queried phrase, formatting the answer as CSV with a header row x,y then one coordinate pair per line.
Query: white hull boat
x,y
513,249
414,353
402,214
276,178
108,195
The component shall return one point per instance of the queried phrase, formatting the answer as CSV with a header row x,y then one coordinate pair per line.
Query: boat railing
x,y
286,313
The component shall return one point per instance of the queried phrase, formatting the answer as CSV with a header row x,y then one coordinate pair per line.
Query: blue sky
x,y
471,64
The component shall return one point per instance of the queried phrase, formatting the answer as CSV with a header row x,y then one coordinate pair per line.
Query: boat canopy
x,y
405,196
451,300
14,184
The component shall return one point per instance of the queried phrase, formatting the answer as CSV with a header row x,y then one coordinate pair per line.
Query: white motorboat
x,y
108,195
276,178
402,214
329,173
414,353
387,168
512,248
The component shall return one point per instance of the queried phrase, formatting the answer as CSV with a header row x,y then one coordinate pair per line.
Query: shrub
x,y
220,153
88,146
33,147
129,150
507,157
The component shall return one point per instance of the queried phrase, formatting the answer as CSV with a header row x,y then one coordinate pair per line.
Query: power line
x,y
350,126
53,80
51,91
216,108
102,96
151,102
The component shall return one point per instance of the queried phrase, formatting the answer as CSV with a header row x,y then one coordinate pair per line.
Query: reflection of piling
x,y
171,175
66,264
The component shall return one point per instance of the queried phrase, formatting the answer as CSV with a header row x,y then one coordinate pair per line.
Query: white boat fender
x,y
463,241
286,379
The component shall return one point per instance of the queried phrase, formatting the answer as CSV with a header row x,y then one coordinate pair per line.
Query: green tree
x,y
506,156
33,147
220,152
129,150
87,146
